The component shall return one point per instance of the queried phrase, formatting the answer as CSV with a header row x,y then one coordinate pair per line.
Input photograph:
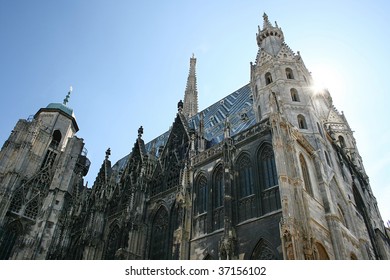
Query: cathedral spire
x,y
190,106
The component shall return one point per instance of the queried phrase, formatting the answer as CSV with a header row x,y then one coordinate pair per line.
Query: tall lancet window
x,y
159,237
112,244
246,201
218,193
305,175
268,177
200,205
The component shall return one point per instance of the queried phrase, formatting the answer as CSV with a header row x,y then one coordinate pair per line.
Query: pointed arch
x,y
10,235
159,235
263,251
321,253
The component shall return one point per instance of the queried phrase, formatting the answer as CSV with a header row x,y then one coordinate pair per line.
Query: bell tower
x,y
42,164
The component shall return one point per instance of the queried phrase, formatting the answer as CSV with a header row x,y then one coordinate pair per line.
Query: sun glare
x,y
327,78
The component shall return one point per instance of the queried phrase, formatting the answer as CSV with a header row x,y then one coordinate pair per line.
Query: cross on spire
x,y
66,100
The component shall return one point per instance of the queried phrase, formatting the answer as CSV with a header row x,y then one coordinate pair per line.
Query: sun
x,y
327,77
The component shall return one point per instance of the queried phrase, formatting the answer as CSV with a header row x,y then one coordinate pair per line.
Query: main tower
x,y
328,208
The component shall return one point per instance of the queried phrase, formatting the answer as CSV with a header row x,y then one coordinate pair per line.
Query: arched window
x,y
201,196
112,244
268,168
289,73
268,177
56,139
200,205
159,237
294,95
302,122
305,175
268,78
218,197
246,202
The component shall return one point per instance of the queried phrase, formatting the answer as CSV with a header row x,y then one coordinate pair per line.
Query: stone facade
x,y
271,171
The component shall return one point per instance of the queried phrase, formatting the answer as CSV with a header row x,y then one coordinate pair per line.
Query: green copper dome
x,y
61,107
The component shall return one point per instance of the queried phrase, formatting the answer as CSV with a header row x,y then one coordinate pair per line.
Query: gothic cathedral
x,y
271,171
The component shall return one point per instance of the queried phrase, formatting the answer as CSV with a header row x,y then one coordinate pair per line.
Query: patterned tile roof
x,y
237,105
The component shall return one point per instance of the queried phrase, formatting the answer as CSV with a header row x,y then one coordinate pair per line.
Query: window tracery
x,y
268,177
246,197
159,244
218,198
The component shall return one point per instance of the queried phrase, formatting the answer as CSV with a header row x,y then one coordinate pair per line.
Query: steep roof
x,y
237,105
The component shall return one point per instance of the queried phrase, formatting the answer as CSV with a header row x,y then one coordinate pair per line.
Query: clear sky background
x,y
128,63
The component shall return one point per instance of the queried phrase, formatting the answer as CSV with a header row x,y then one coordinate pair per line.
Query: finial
x,y
108,153
180,106
140,131
66,100
193,56
266,22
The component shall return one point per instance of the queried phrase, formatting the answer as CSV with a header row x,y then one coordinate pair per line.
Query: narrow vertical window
x,y
56,139
200,205
302,122
294,95
268,177
246,207
112,244
159,237
268,78
305,175
320,130
327,158
201,198
218,193
289,74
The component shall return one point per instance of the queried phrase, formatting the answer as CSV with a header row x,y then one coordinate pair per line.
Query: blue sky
x,y
128,63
